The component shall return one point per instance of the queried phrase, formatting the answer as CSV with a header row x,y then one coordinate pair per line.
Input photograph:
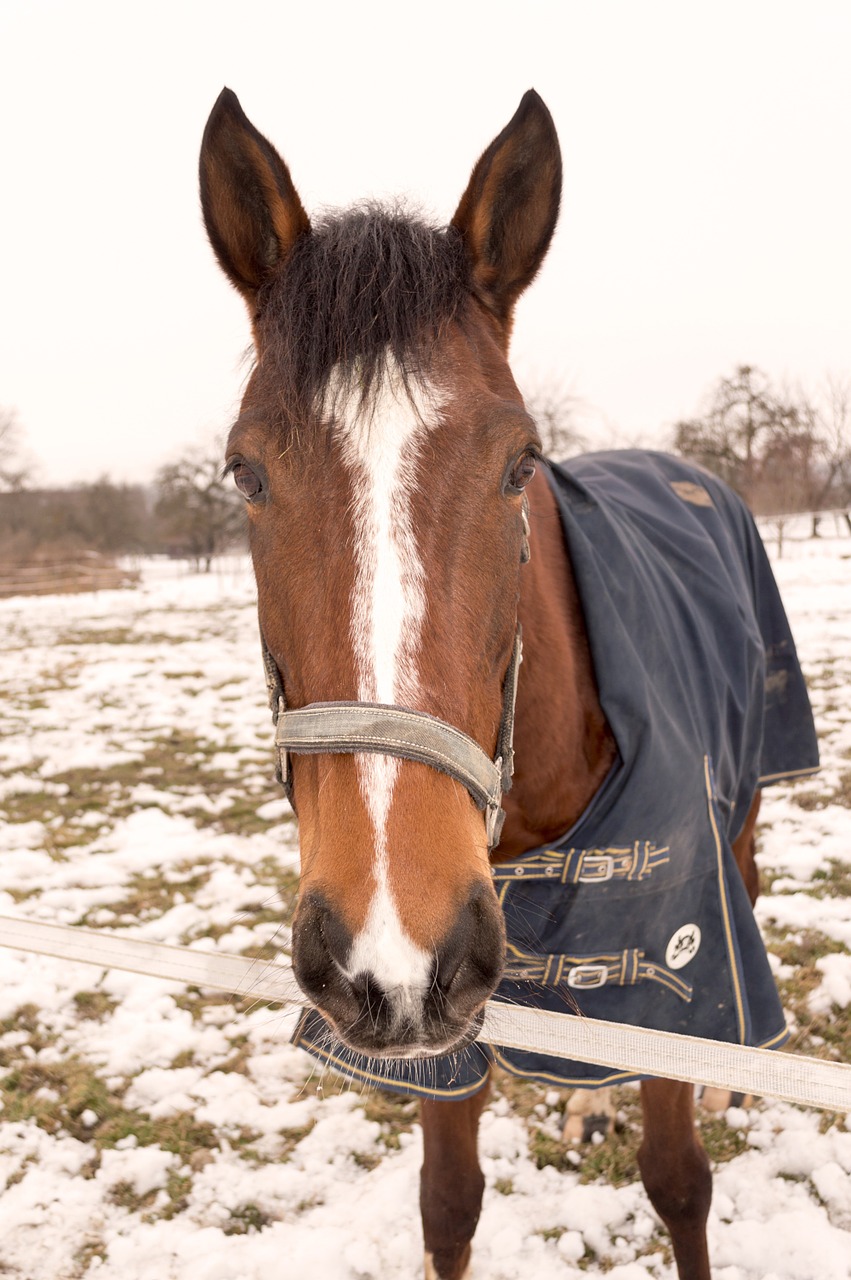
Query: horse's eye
x,y
521,473
246,480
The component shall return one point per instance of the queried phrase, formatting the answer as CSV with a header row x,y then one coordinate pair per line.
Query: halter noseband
x,y
348,727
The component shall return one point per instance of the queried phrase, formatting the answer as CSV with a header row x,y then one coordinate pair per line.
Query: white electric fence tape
x,y
633,1050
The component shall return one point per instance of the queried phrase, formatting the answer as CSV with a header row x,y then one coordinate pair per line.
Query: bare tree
x,y
113,519
15,467
745,422
556,411
199,515
783,451
832,423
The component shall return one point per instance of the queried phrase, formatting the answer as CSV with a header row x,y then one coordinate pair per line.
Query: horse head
x,y
383,450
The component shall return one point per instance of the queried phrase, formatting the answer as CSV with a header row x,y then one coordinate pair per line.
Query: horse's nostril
x,y
471,957
320,946
335,935
368,991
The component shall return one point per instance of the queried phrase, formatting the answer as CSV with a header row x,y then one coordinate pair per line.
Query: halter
x,y
346,727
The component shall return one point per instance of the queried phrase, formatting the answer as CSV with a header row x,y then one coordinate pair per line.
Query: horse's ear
x,y
251,209
508,213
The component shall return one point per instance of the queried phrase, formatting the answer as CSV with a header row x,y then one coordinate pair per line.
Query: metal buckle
x,y
588,975
283,755
494,818
596,868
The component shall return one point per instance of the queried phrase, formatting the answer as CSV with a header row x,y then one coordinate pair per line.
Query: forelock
x,y
364,289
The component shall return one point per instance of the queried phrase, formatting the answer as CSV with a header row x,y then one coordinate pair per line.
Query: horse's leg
x,y
675,1172
451,1183
744,847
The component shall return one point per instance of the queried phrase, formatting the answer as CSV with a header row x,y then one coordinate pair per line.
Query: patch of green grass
x,y
615,1159
809,799
94,1005
148,895
548,1150
263,951
368,1160
177,1189
195,1001
180,758
181,1133
86,1254
184,1059
24,1021
591,1261
722,1142
842,794
658,1247
523,1095
55,1095
812,801
395,1113
292,1137
94,635
819,1035
22,895
804,948
246,1220
834,1029
116,636
241,1058
60,811
835,882
833,1120
124,1195
178,762
241,817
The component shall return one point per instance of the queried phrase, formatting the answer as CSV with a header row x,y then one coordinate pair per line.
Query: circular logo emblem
x,y
684,946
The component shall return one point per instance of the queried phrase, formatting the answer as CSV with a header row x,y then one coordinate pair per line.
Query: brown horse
x,y
389,470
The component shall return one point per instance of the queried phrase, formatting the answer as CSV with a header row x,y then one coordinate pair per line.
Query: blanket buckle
x,y
596,868
588,975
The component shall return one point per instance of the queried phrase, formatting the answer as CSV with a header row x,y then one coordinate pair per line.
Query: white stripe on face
x,y
381,447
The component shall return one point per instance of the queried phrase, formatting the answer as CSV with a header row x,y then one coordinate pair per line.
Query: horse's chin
x,y
418,1049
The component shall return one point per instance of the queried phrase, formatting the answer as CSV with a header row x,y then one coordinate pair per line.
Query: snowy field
x,y
150,1132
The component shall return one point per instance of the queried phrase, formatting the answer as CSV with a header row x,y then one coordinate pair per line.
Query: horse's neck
x,y
563,745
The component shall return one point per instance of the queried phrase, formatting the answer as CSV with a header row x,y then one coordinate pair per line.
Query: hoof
x,y
431,1274
589,1111
717,1100
583,1128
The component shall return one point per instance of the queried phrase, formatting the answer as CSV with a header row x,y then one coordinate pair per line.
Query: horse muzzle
x,y
436,1014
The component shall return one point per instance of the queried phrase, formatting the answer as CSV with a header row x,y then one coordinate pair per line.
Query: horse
x,y
410,549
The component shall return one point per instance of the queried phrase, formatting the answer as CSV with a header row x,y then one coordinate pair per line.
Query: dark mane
x,y
360,287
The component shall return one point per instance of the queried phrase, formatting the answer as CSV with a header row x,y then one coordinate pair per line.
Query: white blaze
x,y
381,446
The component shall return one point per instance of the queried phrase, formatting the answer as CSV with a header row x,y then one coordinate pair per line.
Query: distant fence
x,y
800,526
85,572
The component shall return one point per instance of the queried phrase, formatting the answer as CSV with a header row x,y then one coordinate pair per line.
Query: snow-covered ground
x,y
148,1132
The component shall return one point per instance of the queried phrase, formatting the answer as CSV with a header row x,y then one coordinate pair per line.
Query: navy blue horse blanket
x,y
638,914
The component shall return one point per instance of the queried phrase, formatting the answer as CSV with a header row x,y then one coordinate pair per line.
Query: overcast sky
x,y
705,219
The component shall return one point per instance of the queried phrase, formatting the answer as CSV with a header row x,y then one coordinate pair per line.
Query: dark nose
x,y
377,1018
